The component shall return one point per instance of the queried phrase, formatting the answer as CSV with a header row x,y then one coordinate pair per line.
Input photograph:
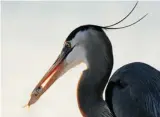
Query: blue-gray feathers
x,y
134,91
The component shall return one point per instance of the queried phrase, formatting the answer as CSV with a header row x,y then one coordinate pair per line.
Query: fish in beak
x,y
56,70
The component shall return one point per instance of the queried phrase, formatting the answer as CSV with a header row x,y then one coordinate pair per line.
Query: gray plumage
x,y
132,91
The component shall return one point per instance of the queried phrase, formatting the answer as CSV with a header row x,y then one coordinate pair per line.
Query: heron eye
x,y
68,44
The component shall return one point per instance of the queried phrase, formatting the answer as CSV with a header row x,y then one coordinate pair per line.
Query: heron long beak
x,y
50,77
53,73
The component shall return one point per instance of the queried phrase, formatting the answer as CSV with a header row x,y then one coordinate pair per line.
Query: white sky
x,y
32,37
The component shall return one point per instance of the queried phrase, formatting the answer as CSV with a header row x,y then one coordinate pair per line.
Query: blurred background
x,y
33,34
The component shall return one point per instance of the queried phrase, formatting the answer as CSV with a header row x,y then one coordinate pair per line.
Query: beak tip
x,y
27,105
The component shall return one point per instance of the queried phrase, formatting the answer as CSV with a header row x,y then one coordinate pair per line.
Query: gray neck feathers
x,y
93,80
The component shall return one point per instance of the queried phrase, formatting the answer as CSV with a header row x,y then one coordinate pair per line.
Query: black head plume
x,y
111,26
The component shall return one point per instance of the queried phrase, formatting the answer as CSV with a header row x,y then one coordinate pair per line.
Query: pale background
x,y
32,37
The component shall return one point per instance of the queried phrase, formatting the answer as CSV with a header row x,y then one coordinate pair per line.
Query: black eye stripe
x,y
67,50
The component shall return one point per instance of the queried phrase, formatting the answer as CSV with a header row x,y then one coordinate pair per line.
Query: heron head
x,y
72,54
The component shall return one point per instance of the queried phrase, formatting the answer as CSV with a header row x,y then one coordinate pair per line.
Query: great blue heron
x,y
132,91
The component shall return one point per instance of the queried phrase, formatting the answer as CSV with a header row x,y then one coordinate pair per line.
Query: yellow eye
x,y
68,44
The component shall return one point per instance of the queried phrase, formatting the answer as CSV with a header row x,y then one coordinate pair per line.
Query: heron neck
x,y
93,82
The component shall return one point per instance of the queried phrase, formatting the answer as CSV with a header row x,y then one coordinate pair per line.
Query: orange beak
x,y
49,78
